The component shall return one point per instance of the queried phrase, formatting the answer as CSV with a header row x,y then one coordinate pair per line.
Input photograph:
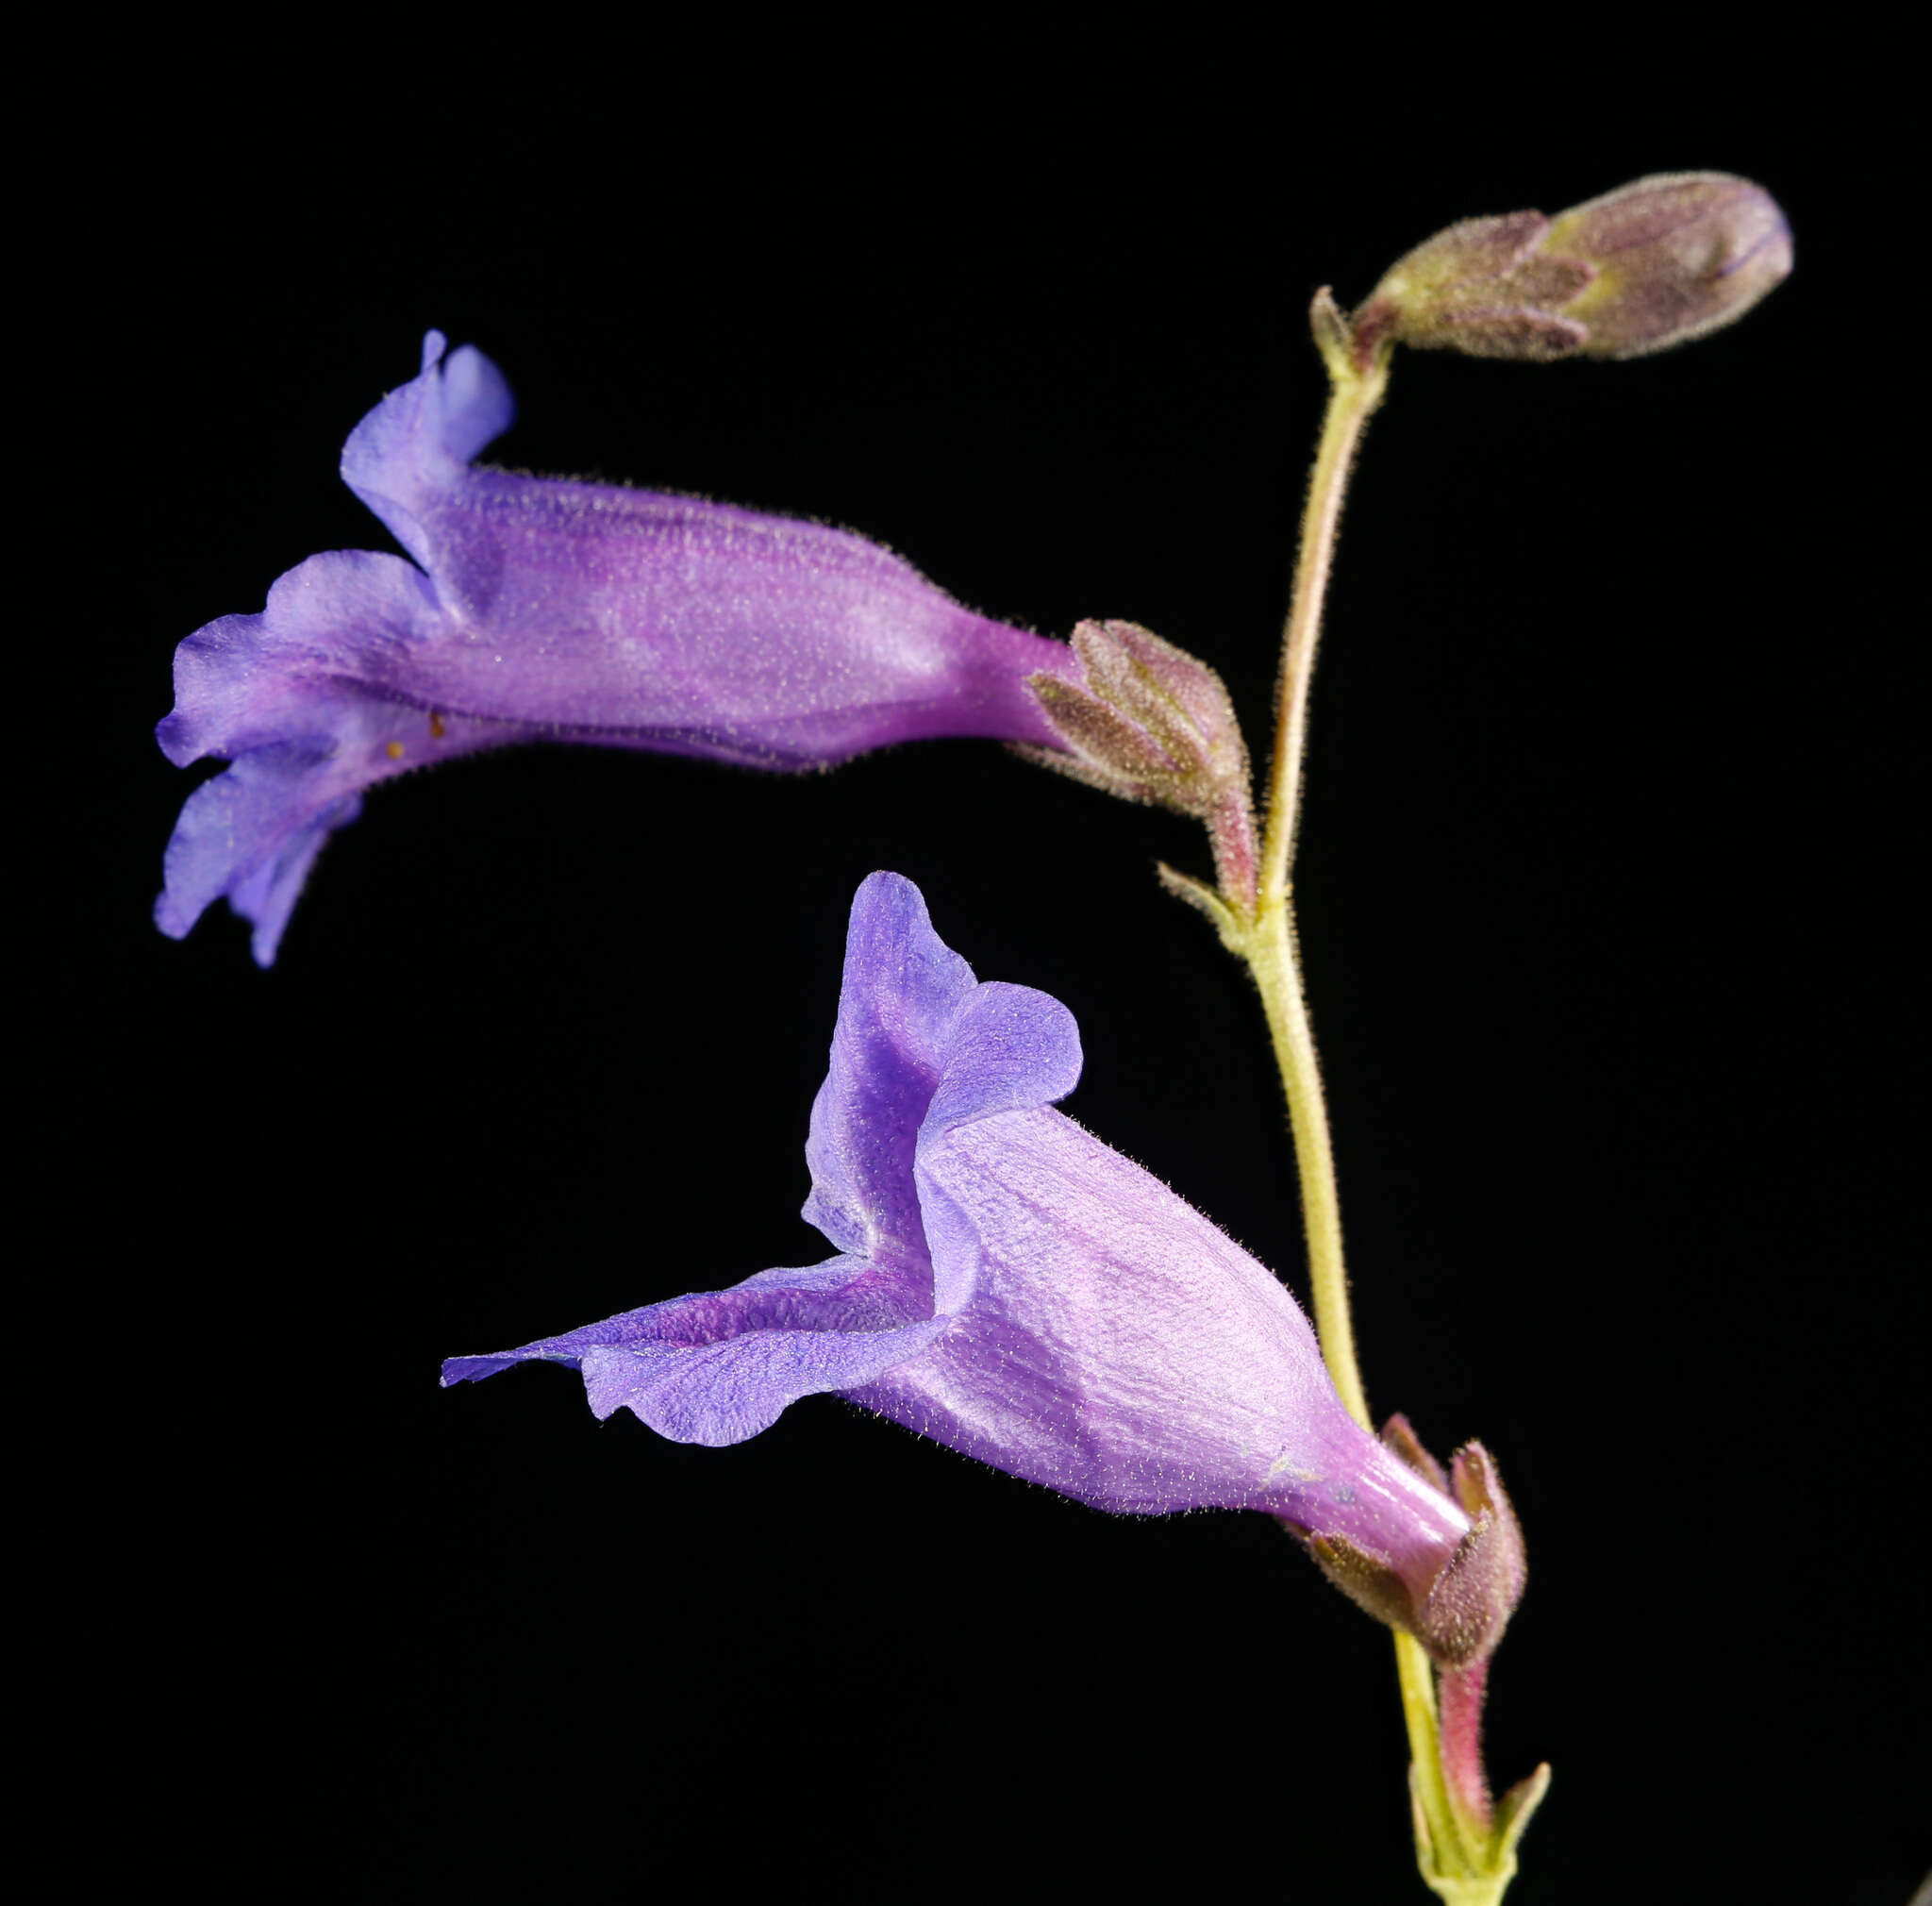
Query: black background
x,y
1608,850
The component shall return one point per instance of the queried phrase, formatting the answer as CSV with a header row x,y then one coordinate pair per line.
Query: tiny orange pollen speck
x,y
436,730
394,751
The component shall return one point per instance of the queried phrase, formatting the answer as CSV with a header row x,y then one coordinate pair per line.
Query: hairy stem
x,y
1452,1846
1270,951
1353,397
1268,941
1416,1678
1459,1727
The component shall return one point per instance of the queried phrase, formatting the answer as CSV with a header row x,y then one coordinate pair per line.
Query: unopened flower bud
x,y
1149,721
1652,265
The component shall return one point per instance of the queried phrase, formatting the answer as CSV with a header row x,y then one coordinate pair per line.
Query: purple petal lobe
x,y
571,612
718,1367
725,1392
1011,1049
411,450
297,695
252,835
902,989
334,627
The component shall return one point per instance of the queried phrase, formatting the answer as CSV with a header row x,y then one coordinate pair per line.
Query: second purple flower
x,y
1011,1287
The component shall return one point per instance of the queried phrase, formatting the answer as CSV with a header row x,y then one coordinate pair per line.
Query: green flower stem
x,y
1269,948
1268,943
1459,1857
1441,1845
1352,399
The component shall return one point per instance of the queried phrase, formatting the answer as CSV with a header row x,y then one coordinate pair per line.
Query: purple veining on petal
x,y
1011,1286
546,609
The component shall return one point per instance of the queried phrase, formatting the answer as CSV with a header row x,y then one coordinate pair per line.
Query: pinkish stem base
x,y
1460,1695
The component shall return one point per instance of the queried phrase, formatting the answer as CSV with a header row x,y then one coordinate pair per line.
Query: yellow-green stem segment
x,y
1270,951
1268,944
1453,1866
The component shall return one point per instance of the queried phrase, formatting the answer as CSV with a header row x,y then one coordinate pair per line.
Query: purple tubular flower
x,y
547,609
1010,1286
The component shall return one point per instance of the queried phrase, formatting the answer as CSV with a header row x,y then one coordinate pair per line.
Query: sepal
x,y
1482,288
1465,1844
1150,723
1476,1593
1147,722
1369,1580
1459,1615
1398,1435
